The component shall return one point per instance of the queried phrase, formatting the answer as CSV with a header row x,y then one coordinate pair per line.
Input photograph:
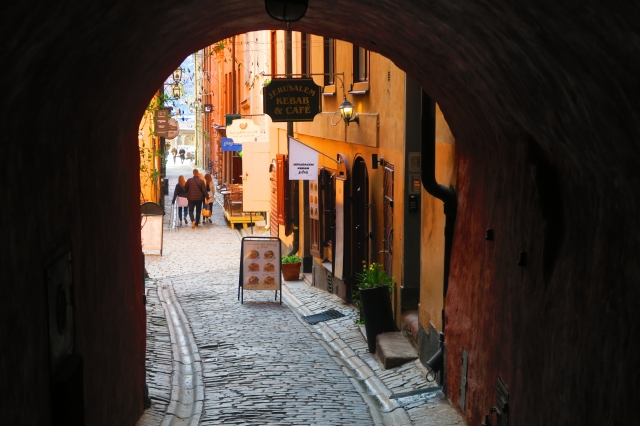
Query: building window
x,y
360,82
274,53
360,64
329,61
305,54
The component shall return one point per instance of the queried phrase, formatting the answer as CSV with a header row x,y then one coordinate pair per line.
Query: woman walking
x,y
180,193
208,183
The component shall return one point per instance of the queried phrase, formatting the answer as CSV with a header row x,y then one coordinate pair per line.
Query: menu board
x,y
151,233
313,200
261,264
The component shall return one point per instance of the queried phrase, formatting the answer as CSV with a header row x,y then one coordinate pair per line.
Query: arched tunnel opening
x,y
540,99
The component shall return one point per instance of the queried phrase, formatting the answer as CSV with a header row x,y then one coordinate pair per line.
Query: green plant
x,y
371,277
294,258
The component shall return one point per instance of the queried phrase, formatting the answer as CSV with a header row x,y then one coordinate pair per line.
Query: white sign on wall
x,y
243,130
303,161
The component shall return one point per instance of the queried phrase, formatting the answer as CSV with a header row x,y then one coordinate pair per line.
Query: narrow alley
x,y
214,361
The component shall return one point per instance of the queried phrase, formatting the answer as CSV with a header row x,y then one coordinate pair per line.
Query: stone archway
x,y
540,99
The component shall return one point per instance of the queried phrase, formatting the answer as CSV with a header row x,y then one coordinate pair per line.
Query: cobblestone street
x,y
214,361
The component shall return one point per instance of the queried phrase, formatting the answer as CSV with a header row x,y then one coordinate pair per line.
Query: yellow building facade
x,y
384,215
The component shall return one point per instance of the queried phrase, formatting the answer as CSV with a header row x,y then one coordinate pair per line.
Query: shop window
x,y
322,212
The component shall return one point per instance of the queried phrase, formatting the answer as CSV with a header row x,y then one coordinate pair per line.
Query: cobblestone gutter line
x,y
375,387
158,359
187,389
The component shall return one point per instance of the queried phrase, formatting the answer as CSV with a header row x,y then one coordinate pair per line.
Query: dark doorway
x,y
360,215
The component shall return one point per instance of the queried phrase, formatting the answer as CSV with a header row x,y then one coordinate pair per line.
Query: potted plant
x,y
373,299
291,267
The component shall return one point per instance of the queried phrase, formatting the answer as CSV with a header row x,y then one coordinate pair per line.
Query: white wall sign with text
x,y
303,161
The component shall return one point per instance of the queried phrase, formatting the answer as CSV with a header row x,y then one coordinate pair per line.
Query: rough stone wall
x,y
541,99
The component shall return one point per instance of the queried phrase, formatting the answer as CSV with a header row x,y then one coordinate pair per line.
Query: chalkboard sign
x,y
260,265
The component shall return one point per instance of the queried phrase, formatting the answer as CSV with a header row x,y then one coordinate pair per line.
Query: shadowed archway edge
x,y
539,97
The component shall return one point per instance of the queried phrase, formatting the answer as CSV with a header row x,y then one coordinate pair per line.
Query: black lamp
x,y
177,74
434,365
175,90
286,10
347,113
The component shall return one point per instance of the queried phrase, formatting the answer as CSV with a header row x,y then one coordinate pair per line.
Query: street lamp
x,y
347,113
177,75
175,90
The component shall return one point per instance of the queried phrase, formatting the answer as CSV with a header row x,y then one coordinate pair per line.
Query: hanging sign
x,y
228,144
292,99
260,264
243,130
173,128
162,122
303,161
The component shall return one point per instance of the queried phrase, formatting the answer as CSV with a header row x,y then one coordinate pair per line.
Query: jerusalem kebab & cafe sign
x,y
292,99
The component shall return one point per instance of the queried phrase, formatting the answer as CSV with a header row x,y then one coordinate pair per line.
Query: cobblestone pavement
x,y
219,362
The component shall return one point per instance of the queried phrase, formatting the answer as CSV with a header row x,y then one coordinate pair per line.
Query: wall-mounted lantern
x,y
347,113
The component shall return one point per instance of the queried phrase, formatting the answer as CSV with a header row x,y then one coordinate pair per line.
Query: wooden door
x,y
360,215
387,241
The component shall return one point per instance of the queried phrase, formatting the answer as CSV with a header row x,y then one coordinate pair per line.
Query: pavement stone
x,y
219,362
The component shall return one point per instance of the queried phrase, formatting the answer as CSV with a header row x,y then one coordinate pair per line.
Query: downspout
x,y
447,195
294,201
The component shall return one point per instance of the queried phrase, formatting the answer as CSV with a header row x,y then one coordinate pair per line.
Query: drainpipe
x,y
447,195
294,185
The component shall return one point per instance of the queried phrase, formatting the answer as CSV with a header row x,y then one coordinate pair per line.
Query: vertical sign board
x,y
338,265
162,122
313,200
260,264
151,233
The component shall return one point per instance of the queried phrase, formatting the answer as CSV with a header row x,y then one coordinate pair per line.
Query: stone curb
x,y
187,390
374,385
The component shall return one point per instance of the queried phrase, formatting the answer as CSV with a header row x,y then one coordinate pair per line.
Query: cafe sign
x,y
292,99
243,130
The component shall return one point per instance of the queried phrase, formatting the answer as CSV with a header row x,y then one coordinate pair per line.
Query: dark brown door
x,y
237,170
360,215
387,242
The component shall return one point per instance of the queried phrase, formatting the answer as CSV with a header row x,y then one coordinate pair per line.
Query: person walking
x,y
181,152
180,192
174,152
196,194
208,183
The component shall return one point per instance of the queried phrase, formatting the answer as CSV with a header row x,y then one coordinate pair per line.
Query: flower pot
x,y
377,313
291,271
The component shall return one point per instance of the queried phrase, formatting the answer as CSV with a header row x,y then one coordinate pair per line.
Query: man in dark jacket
x,y
196,194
